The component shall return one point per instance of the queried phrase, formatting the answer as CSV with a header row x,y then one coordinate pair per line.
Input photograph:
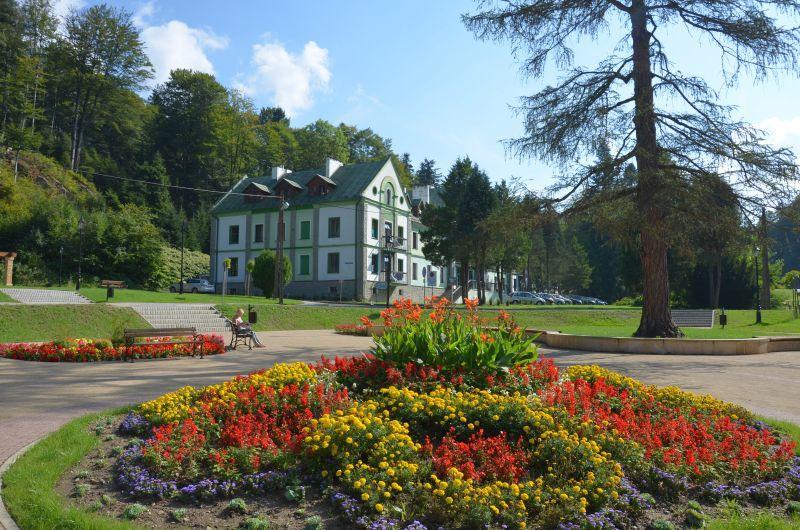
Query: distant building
x,y
336,229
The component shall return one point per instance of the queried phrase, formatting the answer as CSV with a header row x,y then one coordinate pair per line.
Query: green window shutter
x,y
305,229
304,265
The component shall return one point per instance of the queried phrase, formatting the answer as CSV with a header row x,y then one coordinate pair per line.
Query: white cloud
x,y
177,45
782,131
63,7
291,79
142,15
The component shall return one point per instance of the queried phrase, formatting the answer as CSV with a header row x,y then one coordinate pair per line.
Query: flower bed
x,y
499,439
88,350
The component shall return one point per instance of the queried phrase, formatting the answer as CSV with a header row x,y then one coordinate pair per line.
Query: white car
x,y
524,297
193,285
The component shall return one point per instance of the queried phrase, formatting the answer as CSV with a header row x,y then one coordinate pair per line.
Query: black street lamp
x,y
183,237
80,253
758,292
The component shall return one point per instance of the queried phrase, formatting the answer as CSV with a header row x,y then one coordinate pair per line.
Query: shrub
x,y
134,511
264,272
168,267
313,523
446,339
178,515
237,505
256,523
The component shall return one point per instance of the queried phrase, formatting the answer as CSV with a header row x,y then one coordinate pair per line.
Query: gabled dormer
x,y
320,185
287,188
255,192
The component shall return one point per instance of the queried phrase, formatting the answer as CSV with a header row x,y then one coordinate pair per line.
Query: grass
x,y
5,298
98,294
29,485
603,321
20,323
30,497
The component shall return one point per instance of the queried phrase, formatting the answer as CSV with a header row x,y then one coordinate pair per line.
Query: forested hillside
x,y
80,130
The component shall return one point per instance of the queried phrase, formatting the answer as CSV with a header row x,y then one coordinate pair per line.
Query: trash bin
x,y
109,292
252,317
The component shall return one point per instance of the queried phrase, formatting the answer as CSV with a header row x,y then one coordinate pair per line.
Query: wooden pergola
x,y
8,257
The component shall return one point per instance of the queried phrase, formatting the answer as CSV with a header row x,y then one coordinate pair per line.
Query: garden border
x,y
636,345
6,522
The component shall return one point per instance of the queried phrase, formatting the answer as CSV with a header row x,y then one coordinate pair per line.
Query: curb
x,y
6,522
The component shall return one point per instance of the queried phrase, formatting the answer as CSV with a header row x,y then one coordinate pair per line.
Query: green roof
x,y
351,181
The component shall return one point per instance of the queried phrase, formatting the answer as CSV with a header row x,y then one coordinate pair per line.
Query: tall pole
x,y
183,236
80,253
60,264
279,254
758,292
387,263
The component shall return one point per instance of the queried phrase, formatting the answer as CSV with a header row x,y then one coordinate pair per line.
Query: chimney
x,y
422,193
278,172
331,166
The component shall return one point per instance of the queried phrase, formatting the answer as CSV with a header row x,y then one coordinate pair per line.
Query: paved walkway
x,y
36,398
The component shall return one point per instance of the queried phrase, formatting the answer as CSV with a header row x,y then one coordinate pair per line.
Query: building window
x,y
234,270
374,263
415,240
334,227
387,229
401,233
305,230
259,234
401,265
233,235
441,276
333,263
375,234
389,196
305,265
413,271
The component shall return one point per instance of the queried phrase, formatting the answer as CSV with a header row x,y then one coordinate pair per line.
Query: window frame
x,y
307,259
307,225
258,233
231,230
338,265
337,223
233,272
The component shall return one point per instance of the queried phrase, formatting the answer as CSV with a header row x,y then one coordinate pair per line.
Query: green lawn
x,y
273,317
19,323
98,294
5,298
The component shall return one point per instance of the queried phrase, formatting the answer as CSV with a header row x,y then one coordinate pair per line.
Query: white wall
x,y
258,219
223,255
304,215
347,225
347,263
372,212
224,229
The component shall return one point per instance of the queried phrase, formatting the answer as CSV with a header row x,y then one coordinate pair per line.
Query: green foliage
x,y
237,505
263,272
313,523
134,511
178,515
168,267
789,278
256,523
661,524
449,340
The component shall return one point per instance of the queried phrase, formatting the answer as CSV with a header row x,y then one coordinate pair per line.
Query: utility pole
x,y
387,262
80,253
60,264
283,205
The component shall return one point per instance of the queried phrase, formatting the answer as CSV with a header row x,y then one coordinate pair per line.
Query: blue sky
x,y
409,70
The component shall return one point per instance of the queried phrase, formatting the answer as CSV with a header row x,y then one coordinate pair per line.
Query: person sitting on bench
x,y
243,326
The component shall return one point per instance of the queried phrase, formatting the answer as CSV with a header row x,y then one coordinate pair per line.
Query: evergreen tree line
x,y
596,252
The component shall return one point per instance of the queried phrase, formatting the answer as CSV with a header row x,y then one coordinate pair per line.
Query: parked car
x,y
193,285
573,299
524,297
551,298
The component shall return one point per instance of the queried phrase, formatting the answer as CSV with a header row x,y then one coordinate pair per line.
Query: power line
x,y
189,188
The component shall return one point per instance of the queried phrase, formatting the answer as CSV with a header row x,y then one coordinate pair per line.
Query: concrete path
x,y
45,296
36,398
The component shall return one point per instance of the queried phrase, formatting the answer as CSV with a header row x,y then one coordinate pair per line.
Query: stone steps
x,y
45,296
205,318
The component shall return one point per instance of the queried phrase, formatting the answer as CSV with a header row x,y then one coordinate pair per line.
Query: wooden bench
x,y
180,336
110,285
693,318
239,335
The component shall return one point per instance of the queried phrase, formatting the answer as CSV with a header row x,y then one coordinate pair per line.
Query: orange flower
x,y
471,303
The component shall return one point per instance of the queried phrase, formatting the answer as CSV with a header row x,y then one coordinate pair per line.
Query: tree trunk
x,y
464,265
656,318
718,283
766,279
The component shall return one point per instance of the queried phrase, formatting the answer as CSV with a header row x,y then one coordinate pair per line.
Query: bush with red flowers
x,y
88,350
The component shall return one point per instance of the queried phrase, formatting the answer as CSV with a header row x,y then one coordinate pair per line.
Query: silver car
x,y
193,285
524,297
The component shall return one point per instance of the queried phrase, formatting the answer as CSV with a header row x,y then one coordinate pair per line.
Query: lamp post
x,y
279,247
758,291
183,237
80,253
60,263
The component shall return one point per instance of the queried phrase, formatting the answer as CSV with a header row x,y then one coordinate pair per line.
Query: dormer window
x,y
320,185
255,192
